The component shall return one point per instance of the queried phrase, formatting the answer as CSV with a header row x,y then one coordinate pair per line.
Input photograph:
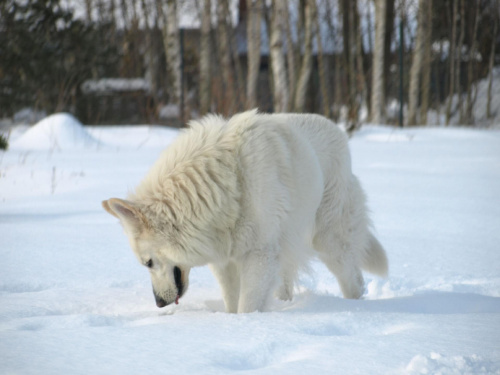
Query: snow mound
x,y
60,131
454,365
479,112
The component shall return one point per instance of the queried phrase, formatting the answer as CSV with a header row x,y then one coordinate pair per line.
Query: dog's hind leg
x,y
229,279
339,250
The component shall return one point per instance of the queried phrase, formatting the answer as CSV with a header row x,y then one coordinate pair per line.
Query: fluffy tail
x,y
375,259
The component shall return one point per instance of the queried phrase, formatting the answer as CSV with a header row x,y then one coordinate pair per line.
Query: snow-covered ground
x,y
479,111
73,299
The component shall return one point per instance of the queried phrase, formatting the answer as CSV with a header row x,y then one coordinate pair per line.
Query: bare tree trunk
x,y
360,76
378,100
349,62
253,41
323,79
267,20
306,67
300,28
390,14
239,79
459,61
440,90
369,26
125,15
353,77
225,56
472,50
88,10
451,56
151,62
102,8
112,15
416,66
426,63
338,87
135,19
170,29
492,58
130,66
290,56
205,58
148,55
336,60
280,86
174,50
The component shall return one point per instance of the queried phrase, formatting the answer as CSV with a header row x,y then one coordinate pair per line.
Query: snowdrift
x,y
480,103
60,131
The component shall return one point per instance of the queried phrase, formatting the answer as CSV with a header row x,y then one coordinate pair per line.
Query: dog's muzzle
x,y
160,301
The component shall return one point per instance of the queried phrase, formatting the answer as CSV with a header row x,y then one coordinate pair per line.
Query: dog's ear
x,y
128,212
105,205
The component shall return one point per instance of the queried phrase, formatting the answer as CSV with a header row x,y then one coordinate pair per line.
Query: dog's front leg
x,y
229,279
258,280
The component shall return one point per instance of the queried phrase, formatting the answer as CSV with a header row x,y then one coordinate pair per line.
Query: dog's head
x,y
169,275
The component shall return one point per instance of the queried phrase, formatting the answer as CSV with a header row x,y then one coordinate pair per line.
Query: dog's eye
x,y
149,264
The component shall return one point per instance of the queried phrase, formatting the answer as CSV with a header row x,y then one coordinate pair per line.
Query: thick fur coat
x,y
255,197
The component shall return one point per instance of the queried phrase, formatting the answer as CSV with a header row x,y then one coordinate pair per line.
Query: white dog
x,y
255,197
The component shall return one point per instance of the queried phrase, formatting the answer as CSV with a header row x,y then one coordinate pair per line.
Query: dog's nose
x,y
160,302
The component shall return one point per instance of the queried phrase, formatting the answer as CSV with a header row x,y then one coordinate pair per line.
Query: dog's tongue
x,y
177,300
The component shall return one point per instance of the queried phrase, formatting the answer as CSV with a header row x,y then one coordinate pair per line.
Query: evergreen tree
x,y
46,54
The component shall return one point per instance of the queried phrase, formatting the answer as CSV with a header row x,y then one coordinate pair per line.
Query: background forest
x,y
404,62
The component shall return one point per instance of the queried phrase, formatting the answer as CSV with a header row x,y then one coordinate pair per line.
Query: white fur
x,y
255,197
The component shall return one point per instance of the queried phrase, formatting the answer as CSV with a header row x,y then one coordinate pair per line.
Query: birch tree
x,y
170,31
290,57
149,53
458,60
280,86
378,100
416,66
323,79
349,43
238,70
451,57
390,13
496,16
426,63
358,56
337,60
306,66
205,57
112,17
469,118
225,56
88,10
253,51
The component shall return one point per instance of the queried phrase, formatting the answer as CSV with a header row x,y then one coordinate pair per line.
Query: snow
x,y
73,298
169,111
480,104
436,364
108,85
60,131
